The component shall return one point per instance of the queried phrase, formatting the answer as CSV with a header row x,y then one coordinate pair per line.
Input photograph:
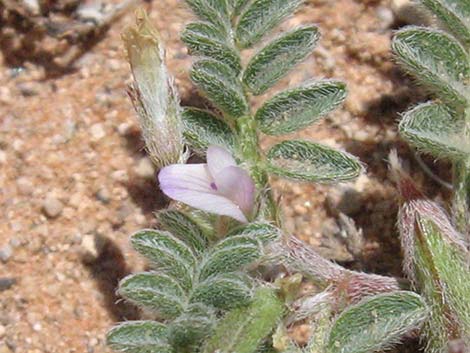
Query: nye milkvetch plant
x,y
208,288
436,247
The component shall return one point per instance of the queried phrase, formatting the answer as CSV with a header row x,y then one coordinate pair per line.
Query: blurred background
x,y
75,181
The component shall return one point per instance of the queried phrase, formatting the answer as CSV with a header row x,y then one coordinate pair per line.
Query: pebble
x,y
145,168
52,207
6,283
28,89
103,195
2,331
3,157
120,175
25,186
5,253
386,16
91,247
97,131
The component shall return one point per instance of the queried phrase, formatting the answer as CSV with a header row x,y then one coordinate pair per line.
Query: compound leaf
x,y
260,17
230,255
225,291
167,253
155,291
435,129
139,337
203,39
435,59
278,58
298,108
263,231
182,226
308,161
376,323
203,129
220,84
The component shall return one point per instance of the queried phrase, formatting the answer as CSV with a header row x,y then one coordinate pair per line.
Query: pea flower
x,y
220,186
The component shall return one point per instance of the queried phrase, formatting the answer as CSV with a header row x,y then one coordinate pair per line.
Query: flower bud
x,y
153,94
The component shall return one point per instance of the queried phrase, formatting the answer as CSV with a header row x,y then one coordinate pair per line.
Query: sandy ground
x,y
72,171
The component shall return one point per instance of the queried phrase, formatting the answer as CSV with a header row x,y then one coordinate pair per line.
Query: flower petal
x,y
236,184
219,158
191,184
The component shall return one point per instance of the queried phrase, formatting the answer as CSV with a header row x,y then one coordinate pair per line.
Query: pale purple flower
x,y
219,187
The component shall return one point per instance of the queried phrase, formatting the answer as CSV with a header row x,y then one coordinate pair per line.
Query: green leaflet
x,y
455,15
203,129
376,323
435,59
212,11
191,327
204,39
260,17
167,253
262,231
237,6
225,291
220,84
278,58
182,226
230,255
155,291
435,129
296,109
242,330
139,337
308,161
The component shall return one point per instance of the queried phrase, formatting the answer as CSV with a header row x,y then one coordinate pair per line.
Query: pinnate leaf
x,y
376,323
203,129
243,330
455,15
278,58
225,291
230,255
435,59
308,161
139,337
204,39
298,108
436,129
167,253
260,17
213,11
182,226
219,83
155,291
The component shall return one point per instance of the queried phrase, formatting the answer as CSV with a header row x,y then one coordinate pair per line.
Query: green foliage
x,y
219,83
230,255
166,253
276,59
224,291
264,232
308,161
242,330
212,11
139,337
260,17
455,15
435,59
183,227
155,291
376,323
204,40
296,109
436,129
202,129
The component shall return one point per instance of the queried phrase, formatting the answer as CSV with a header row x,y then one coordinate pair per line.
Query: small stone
x,y
37,326
2,331
52,207
386,16
120,175
145,168
3,157
103,195
97,132
6,283
25,186
91,247
28,89
5,253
